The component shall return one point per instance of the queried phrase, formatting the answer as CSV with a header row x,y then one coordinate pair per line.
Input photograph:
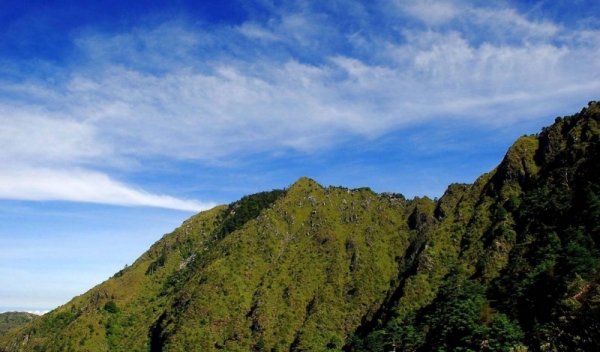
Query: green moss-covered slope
x,y
518,265
11,320
509,262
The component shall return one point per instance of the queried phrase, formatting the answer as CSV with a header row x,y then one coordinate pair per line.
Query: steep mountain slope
x,y
11,320
509,261
526,268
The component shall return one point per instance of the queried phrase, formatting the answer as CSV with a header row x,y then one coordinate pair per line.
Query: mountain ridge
x,y
507,263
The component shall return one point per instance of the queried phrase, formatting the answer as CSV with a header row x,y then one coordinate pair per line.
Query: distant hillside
x,y
11,320
508,263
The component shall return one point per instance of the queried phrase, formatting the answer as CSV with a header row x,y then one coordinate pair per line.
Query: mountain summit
x,y
508,263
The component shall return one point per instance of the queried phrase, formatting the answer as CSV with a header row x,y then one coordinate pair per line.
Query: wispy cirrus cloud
x,y
297,82
86,186
432,12
41,153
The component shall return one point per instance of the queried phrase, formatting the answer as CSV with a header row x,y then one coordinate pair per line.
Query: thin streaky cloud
x,y
192,98
432,12
84,186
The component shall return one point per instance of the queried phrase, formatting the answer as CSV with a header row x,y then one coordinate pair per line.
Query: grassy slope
x,y
11,320
303,274
84,325
520,246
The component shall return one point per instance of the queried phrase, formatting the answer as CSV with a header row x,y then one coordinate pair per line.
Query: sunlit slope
x,y
89,323
305,272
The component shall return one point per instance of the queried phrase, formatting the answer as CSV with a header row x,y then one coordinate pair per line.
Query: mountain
x,y
11,320
508,263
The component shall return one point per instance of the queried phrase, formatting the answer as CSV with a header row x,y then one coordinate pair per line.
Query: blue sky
x,y
119,120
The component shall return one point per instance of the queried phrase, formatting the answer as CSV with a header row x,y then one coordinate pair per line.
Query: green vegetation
x,y
508,263
246,209
11,320
111,307
535,250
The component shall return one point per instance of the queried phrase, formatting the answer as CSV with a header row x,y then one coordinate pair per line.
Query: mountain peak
x,y
305,183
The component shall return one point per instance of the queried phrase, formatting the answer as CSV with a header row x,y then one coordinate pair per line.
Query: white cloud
x,y
432,12
41,149
83,186
255,31
220,95
35,135
37,312
211,110
243,108
508,21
